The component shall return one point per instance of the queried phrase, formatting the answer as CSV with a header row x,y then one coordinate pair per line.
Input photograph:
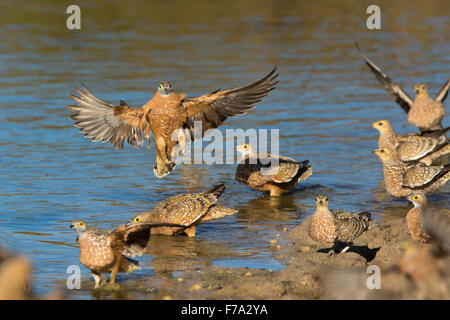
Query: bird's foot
x,y
161,172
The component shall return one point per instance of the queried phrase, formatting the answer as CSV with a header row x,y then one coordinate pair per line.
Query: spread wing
x,y
131,240
103,121
214,108
443,93
396,92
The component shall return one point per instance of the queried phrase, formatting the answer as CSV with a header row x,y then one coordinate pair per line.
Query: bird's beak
x,y
375,151
129,224
72,226
373,125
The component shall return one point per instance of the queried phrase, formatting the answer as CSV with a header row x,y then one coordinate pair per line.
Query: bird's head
x,y
322,201
418,200
136,220
79,226
420,89
384,154
165,88
383,126
245,149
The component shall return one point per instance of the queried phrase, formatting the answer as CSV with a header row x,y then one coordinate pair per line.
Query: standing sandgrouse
x,y
423,112
170,116
185,210
412,147
403,179
336,226
413,218
259,175
104,251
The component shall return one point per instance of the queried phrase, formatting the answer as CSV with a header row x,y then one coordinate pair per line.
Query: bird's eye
x,y
416,198
137,219
380,123
80,224
245,147
382,150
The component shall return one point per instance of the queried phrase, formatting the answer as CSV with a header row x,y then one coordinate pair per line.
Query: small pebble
x,y
304,249
195,287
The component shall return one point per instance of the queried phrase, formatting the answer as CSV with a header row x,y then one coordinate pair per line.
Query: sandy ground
x,y
408,270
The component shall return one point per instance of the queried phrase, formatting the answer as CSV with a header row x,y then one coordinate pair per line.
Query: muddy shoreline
x,y
408,271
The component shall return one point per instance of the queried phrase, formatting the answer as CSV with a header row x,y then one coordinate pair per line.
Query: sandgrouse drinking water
x,y
423,112
105,251
187,210
172,117
259,175
412,147
404,179
335,226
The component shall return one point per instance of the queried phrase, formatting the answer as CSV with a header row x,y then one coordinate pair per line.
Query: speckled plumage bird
x,y
187,210
170,116
105,251
413,218
334,226
403,179
255,170
411,147
423,112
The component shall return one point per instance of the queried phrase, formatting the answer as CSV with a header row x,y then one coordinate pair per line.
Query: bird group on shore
x,y
414,165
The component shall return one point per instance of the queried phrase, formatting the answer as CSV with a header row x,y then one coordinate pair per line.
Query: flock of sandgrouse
x,y
412,165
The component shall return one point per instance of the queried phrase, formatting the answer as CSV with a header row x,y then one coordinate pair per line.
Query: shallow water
x,y
323,106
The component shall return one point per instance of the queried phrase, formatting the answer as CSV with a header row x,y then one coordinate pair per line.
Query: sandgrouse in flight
x,y
166,113
423,112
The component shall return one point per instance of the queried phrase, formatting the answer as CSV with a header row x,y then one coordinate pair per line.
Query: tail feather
x,y
216,190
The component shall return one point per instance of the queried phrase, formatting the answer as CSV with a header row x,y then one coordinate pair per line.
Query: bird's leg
x,y
332,251
115,269
190,232
97,279
163,165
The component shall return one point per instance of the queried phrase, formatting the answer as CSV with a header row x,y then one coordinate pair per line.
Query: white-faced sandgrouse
x,y
412,147
105,251
403,179
186,210
257,171
172,117
335,226
423,112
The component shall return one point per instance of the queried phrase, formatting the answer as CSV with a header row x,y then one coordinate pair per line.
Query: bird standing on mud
x,y
423,112
336,226
412,147
169,115
404,179
105,251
